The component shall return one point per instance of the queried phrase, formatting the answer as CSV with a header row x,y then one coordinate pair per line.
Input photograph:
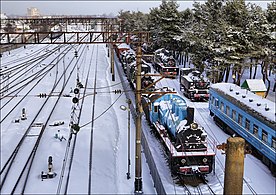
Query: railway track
x,y
92,129
64,179
23,177
14,94
18,72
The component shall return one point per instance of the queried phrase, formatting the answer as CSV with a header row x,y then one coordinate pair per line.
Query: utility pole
x,y
128,139
112,62
234,166
138,166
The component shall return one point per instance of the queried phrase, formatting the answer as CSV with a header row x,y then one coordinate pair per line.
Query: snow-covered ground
x,y
109,162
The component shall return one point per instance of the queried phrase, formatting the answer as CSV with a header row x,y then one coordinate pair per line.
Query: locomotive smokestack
x,y
190,115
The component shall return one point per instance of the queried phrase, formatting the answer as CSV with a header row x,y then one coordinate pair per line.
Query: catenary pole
x,y
138,166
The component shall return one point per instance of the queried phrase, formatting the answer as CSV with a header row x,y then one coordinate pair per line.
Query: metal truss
x,y
73,37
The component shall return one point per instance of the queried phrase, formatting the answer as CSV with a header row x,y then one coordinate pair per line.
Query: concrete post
x,y
234,166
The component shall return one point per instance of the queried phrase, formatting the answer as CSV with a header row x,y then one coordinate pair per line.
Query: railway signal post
x,y
234,166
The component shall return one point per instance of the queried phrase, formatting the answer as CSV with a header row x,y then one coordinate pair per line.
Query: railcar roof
x,y
123,45
168,97
225,88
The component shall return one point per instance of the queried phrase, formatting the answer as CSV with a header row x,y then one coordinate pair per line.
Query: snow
x,y
257,177
256,85
123,46
109,164
244,95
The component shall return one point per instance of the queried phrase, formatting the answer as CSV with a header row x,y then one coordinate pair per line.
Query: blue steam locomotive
x,y
241,112
184,140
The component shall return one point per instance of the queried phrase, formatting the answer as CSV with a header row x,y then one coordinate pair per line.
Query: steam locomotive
x,y
127,58
193,84
165,64
184,140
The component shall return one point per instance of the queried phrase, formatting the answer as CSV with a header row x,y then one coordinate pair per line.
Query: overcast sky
x,y
88,7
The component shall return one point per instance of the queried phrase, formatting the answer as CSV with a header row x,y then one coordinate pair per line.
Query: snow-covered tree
x,y
164,24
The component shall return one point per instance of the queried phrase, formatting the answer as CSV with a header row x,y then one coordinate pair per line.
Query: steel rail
x,y
10,160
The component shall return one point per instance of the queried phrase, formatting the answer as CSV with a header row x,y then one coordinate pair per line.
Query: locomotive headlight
x,y
205,160
183,161
194,126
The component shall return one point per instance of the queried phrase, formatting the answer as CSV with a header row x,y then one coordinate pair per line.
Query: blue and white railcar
x,y
185,141
248,115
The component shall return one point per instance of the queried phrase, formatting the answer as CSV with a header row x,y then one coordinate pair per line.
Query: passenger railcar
x,y
193,84
165,64
184,140
249,116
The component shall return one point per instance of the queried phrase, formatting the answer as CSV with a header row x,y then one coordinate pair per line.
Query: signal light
x,y
75,100
76,91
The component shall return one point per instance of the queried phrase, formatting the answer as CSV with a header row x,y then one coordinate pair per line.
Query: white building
x,y
3,16
32,11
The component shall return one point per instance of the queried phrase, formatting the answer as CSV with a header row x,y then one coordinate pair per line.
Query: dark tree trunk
x,y
250,68
255,71
265,76
240,73
227,73
270,69
263,70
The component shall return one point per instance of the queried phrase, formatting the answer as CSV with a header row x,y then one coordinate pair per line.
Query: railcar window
x,y
264,136
240,119
255,130
227,110
216,102
234,115
247,124
213,101
274,142
155,108
222,106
